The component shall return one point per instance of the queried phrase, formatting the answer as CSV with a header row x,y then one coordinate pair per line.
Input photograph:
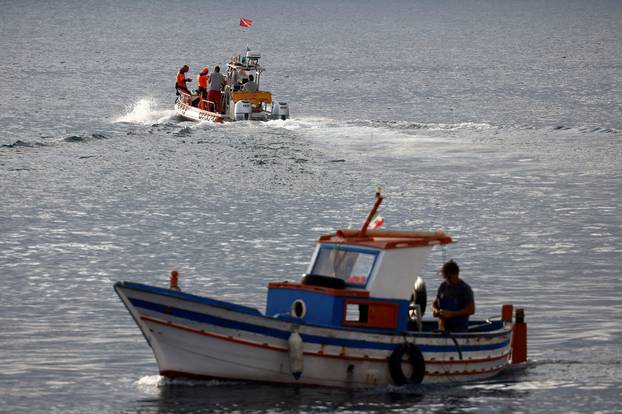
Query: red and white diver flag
x,y
376,221
246,22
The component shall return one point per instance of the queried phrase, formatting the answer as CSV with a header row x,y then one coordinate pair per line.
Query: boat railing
x,y
207,105
185,98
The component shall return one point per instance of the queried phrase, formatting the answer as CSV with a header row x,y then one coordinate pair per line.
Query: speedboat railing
x,y
185,98
203,103
207,105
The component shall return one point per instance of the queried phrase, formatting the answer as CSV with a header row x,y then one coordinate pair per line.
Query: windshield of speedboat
x,y
353,265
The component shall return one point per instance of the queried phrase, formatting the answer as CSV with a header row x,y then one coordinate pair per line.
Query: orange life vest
x,y
180,83
202,81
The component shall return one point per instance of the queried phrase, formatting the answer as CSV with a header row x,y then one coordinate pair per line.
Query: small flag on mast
x,y
376,221
246,22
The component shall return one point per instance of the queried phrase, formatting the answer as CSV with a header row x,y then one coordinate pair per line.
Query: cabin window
x,y
352,265
356,312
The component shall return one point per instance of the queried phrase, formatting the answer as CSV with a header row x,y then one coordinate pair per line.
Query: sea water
x,y
498,122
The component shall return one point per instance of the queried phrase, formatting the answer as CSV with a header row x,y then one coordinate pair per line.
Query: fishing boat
x,y
355,319
237,104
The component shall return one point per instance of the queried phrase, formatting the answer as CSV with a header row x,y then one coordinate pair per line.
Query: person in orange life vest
x,y
216,82
202,87
180,82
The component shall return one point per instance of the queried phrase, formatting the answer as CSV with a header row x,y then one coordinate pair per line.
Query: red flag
x,y
246,22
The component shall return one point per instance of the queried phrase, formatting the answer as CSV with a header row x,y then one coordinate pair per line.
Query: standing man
x,y
202,86
202,80
180,82
216,83
454,301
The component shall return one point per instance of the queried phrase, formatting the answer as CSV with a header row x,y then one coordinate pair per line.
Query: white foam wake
x,y
150,383
145,111
320,122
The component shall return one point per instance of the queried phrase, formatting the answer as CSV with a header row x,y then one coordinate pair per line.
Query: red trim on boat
x,y
256,344
453,373
213,335
311,288
469,361
186,375
386,239
318,354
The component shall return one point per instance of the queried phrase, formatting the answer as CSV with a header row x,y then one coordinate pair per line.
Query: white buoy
x,y
296,363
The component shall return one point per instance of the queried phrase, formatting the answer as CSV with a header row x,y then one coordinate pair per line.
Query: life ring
x,y
324,281
416,361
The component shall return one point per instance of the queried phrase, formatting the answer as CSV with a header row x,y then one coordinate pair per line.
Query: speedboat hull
x,y
198,337
196,114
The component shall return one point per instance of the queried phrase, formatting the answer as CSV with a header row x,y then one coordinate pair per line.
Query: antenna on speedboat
x,y
373,210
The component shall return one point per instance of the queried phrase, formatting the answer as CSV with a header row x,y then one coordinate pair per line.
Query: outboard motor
x,y
280,110
242,111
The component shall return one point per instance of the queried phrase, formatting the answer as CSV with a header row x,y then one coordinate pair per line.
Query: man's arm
x,y
466,311
435,309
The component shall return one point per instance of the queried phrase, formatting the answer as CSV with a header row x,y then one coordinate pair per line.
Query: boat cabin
x,y
239,70
357,279
241,66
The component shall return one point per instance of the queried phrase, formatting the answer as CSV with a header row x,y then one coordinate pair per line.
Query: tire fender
x,y
416,360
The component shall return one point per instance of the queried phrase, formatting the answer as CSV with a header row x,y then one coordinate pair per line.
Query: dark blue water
x,y
498,122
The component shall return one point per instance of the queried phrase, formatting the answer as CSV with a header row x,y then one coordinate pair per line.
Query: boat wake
x,y
145,111
406,126
148,111
152,382
319,122
362,136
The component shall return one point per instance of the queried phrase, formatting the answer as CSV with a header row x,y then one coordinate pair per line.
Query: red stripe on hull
x,y
469,361
317,354
463,373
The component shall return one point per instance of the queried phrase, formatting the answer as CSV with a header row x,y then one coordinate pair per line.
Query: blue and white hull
x,y
198,337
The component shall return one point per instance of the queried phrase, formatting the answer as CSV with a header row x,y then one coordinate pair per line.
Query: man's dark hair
x,y
250,77
450,268
217,68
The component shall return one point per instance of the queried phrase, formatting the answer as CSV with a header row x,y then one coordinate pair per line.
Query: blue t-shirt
x,y
455,298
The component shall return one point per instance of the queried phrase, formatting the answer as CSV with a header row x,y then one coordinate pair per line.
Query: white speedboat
x,y
349,322
237,104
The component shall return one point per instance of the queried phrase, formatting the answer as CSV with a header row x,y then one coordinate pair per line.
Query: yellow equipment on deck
x,y
255,98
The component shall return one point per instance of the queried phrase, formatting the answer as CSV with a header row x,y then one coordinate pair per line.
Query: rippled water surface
x,y
498,122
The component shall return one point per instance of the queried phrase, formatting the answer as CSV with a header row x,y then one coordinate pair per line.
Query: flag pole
x,y
379,198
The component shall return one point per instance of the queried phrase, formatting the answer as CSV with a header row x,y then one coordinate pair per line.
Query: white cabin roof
x,y
394,259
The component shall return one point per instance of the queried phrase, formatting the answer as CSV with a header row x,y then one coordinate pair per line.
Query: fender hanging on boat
x,y
296,362
415,358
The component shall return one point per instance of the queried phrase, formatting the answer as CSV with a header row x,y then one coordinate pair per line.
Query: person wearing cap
x,y
202,85
180,82
202,80
454,301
